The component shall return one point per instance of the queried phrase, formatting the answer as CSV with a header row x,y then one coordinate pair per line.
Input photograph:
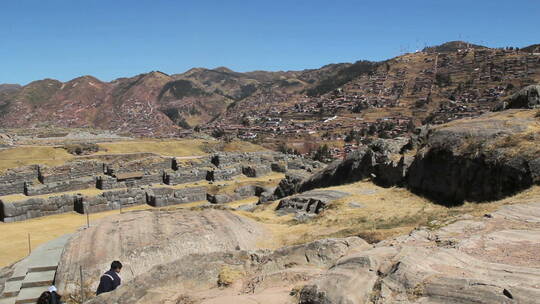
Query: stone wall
x,y
151,164
72,170
104,172
105,182
13,180
256,170
61,186
221,174
159,197
110,200
35,207
183,176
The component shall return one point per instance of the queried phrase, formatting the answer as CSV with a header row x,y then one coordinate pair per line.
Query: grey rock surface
x,y
310,202
526,98
486,260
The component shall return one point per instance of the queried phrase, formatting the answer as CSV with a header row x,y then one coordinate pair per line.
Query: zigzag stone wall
x,y
94,173
14,180
35,207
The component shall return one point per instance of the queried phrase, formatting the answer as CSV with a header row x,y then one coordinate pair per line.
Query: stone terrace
x,y
95,184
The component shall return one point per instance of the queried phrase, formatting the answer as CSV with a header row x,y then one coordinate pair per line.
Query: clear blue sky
x,y
64,39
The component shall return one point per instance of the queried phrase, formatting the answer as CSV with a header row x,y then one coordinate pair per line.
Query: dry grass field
x,y
54,156
371,212
184,147
32,155
42,230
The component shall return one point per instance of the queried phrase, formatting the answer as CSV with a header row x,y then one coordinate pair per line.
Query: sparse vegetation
x,y
228,275
384,213
343,76
443,80
81,149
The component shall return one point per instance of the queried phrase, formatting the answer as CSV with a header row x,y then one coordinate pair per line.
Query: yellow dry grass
x,y
182,147
384,213
55,156
42,230
22,197
32,155
242,146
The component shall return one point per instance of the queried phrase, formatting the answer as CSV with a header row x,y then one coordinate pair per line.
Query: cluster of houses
x,y
420,87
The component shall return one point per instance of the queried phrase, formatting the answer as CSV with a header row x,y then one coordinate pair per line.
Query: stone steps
x,y
12,288
30,295
33,275
11,300
37,279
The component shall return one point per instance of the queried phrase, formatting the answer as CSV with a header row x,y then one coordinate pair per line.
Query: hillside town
x,y
404,92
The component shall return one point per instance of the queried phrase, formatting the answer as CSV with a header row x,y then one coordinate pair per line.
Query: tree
x,y
218,133
443,79
323,153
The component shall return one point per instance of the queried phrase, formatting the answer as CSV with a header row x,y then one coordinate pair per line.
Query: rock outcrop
x,y
486,158
526,98
310,202
480,159
474,260
144,239
383,160
490,260
234,277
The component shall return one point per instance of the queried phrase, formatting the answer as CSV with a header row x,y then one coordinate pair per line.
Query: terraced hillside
x,y
386,98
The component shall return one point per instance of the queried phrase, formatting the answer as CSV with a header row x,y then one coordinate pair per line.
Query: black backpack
x,y
55,298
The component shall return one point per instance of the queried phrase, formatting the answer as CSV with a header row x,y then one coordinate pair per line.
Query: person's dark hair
x,y
44,298
116,265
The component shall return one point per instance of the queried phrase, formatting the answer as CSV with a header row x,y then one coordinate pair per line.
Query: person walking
x,y
110,280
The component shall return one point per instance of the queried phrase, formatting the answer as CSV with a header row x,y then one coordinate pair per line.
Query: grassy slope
x,y
31,155
385,213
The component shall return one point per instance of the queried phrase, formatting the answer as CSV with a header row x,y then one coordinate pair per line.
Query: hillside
x,y
385,99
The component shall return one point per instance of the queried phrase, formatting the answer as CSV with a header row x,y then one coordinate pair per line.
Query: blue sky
x,y
64,39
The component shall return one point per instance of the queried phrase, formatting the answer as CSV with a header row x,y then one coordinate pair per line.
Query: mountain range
x,y
157,104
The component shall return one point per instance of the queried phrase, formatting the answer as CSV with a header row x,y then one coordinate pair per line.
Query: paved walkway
x,y
34,274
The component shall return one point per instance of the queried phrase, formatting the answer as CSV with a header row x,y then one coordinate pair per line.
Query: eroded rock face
x,y
310,202
477,159
382,160
526,98
489,260
486,158
143,239
263,276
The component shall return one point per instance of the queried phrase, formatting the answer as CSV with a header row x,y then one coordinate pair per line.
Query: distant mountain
x,y
151,104
535,48
452,46
9,87
423,86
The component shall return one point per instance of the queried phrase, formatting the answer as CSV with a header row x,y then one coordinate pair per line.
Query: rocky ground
x,y
144,239
313,239
486,158
489,259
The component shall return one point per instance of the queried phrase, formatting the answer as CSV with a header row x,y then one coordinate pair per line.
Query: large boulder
x,y
237,276
383,160
311,202
289,185
144,239
526,98
485,260
485,158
